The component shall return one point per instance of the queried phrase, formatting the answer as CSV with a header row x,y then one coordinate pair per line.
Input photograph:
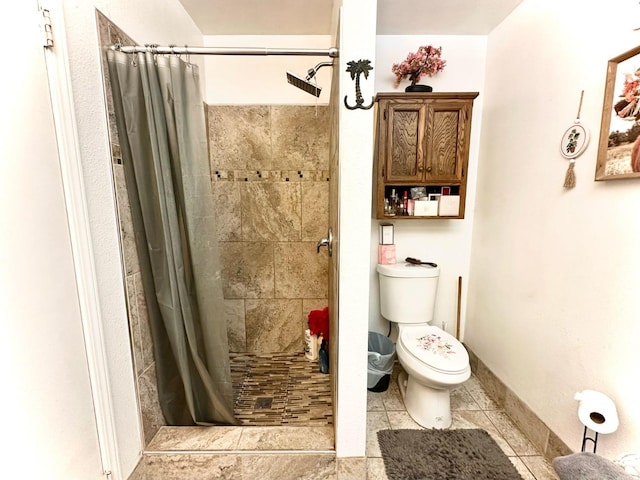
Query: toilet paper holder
x,y
598,413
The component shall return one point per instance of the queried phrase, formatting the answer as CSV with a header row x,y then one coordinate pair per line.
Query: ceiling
x,y
314,17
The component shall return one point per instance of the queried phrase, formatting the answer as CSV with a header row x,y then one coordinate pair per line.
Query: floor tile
x,y
522,468
374,402
478,419
376,421
391,398
461,399
352,468
375,469
511,434
539,467
280,389
401,420
475,389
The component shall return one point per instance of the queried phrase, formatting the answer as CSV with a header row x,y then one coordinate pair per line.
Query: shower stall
x,y
270,175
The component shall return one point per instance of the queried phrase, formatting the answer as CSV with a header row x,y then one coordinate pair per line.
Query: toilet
x,y
435,362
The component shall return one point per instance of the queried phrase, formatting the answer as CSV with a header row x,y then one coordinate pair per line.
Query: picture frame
x,y
619,143
574,141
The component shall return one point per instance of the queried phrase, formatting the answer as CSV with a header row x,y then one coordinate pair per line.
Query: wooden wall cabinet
x,y
421,140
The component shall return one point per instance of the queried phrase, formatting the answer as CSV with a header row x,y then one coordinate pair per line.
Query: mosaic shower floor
x,y
280,389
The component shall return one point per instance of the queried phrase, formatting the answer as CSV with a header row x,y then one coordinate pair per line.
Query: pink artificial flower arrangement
x,y
426,61
319,322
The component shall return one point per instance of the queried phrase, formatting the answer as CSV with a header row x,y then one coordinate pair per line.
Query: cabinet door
x,y
447,141
404,155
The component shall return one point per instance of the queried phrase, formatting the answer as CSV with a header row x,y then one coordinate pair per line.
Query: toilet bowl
x,y
435,362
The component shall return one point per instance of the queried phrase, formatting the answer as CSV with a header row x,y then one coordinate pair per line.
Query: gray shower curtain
x,y
161,129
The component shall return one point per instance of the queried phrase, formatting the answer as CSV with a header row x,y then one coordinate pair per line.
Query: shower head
x,y
304,83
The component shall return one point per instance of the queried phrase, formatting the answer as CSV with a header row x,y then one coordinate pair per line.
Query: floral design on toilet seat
x,y
435,344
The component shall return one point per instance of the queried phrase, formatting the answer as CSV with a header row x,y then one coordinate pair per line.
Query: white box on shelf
x,y
449,206
386,234
425,208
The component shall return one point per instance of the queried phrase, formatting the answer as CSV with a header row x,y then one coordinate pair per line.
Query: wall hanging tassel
x,y
570,177
573,143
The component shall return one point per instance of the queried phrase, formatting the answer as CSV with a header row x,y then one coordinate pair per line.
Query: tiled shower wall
x,y
270,170
139,330
270,178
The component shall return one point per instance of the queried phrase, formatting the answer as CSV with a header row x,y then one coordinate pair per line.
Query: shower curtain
x,y
161,128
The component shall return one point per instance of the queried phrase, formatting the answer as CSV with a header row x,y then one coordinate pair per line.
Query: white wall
x,y
445,242
262,80
147,21
553,305
48,426
357,41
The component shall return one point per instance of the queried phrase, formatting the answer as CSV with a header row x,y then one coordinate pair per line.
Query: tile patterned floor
x,y
280,389
471,408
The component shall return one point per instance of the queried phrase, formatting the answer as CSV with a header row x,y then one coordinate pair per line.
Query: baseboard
x,y
539,434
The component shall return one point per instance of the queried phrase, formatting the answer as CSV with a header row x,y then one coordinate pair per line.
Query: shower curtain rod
x,y
186,50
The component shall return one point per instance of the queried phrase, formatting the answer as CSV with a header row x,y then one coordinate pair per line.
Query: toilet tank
x,y
408,292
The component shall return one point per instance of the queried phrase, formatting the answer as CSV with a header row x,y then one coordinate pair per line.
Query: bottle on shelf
x,y
392,208
405,203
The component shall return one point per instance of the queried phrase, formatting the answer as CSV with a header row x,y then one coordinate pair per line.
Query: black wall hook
x,y
357,68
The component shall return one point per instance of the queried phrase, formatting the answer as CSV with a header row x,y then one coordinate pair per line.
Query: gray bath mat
x,y
444,455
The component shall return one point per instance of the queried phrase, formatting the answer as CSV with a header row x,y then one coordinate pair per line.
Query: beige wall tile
x,y
239,137
289,467
273,326
287,438
247,269
128,243
492,385
556,447
134,324
537,432
196,438
226,198
152,417
315,210
270,211
300,137
236,332
146,338
193,467
300,272
232,267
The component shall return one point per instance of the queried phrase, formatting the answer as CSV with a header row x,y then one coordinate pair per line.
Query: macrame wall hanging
x,y
574,142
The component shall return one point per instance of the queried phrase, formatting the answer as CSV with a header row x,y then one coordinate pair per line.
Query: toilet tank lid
x,y
408,270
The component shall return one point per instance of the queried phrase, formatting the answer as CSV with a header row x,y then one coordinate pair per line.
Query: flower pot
x,y
419,88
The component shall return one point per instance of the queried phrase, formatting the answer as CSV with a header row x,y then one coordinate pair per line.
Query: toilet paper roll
x,y
597,411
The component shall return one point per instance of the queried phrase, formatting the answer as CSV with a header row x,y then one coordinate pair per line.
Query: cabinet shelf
x,y
421,140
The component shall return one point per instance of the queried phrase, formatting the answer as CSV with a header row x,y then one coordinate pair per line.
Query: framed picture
x,y
619,146
574,141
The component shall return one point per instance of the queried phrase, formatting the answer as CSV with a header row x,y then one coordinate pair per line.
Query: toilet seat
x,y
435,348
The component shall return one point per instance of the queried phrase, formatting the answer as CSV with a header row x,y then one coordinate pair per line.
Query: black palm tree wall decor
x,y
361,67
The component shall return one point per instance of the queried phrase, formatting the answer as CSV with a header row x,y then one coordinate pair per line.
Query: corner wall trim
x,y
56,59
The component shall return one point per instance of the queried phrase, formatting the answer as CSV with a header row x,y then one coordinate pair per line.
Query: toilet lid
x,y
436,348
